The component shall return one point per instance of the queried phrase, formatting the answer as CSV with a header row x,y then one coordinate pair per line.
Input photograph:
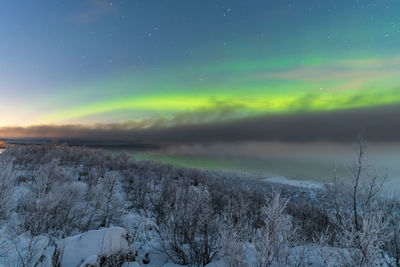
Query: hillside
x,y
72,206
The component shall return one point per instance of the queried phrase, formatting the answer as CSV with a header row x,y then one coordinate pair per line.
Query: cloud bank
x,y
381,124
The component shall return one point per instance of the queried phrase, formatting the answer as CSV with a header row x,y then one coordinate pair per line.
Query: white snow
x,y
76,249
130,264
170,264
91,261
295,183
46,260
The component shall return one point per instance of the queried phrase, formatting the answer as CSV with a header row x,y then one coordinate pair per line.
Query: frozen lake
x,y
316,161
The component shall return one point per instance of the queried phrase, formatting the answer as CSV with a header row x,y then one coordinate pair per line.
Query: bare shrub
x,y
117,259
189,234
7,181
391,209
311,218
111,202
103,203
163,200
273,240
232,248
50,213
365,245
137,188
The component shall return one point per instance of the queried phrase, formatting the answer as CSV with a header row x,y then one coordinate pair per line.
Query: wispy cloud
x,y
354,74
95,9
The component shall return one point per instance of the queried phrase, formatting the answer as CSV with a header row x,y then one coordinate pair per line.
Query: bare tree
x,y
360,224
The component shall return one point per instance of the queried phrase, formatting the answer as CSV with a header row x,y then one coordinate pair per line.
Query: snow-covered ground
x,y
89,247
62,206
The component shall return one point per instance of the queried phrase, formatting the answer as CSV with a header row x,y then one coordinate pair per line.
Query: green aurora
x,y
239,89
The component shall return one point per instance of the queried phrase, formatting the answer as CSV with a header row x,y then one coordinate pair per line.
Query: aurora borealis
x,y
330,86
160,64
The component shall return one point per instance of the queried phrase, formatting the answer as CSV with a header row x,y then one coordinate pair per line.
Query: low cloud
x,y
381,124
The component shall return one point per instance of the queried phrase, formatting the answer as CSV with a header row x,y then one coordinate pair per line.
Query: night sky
x,y
199,71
